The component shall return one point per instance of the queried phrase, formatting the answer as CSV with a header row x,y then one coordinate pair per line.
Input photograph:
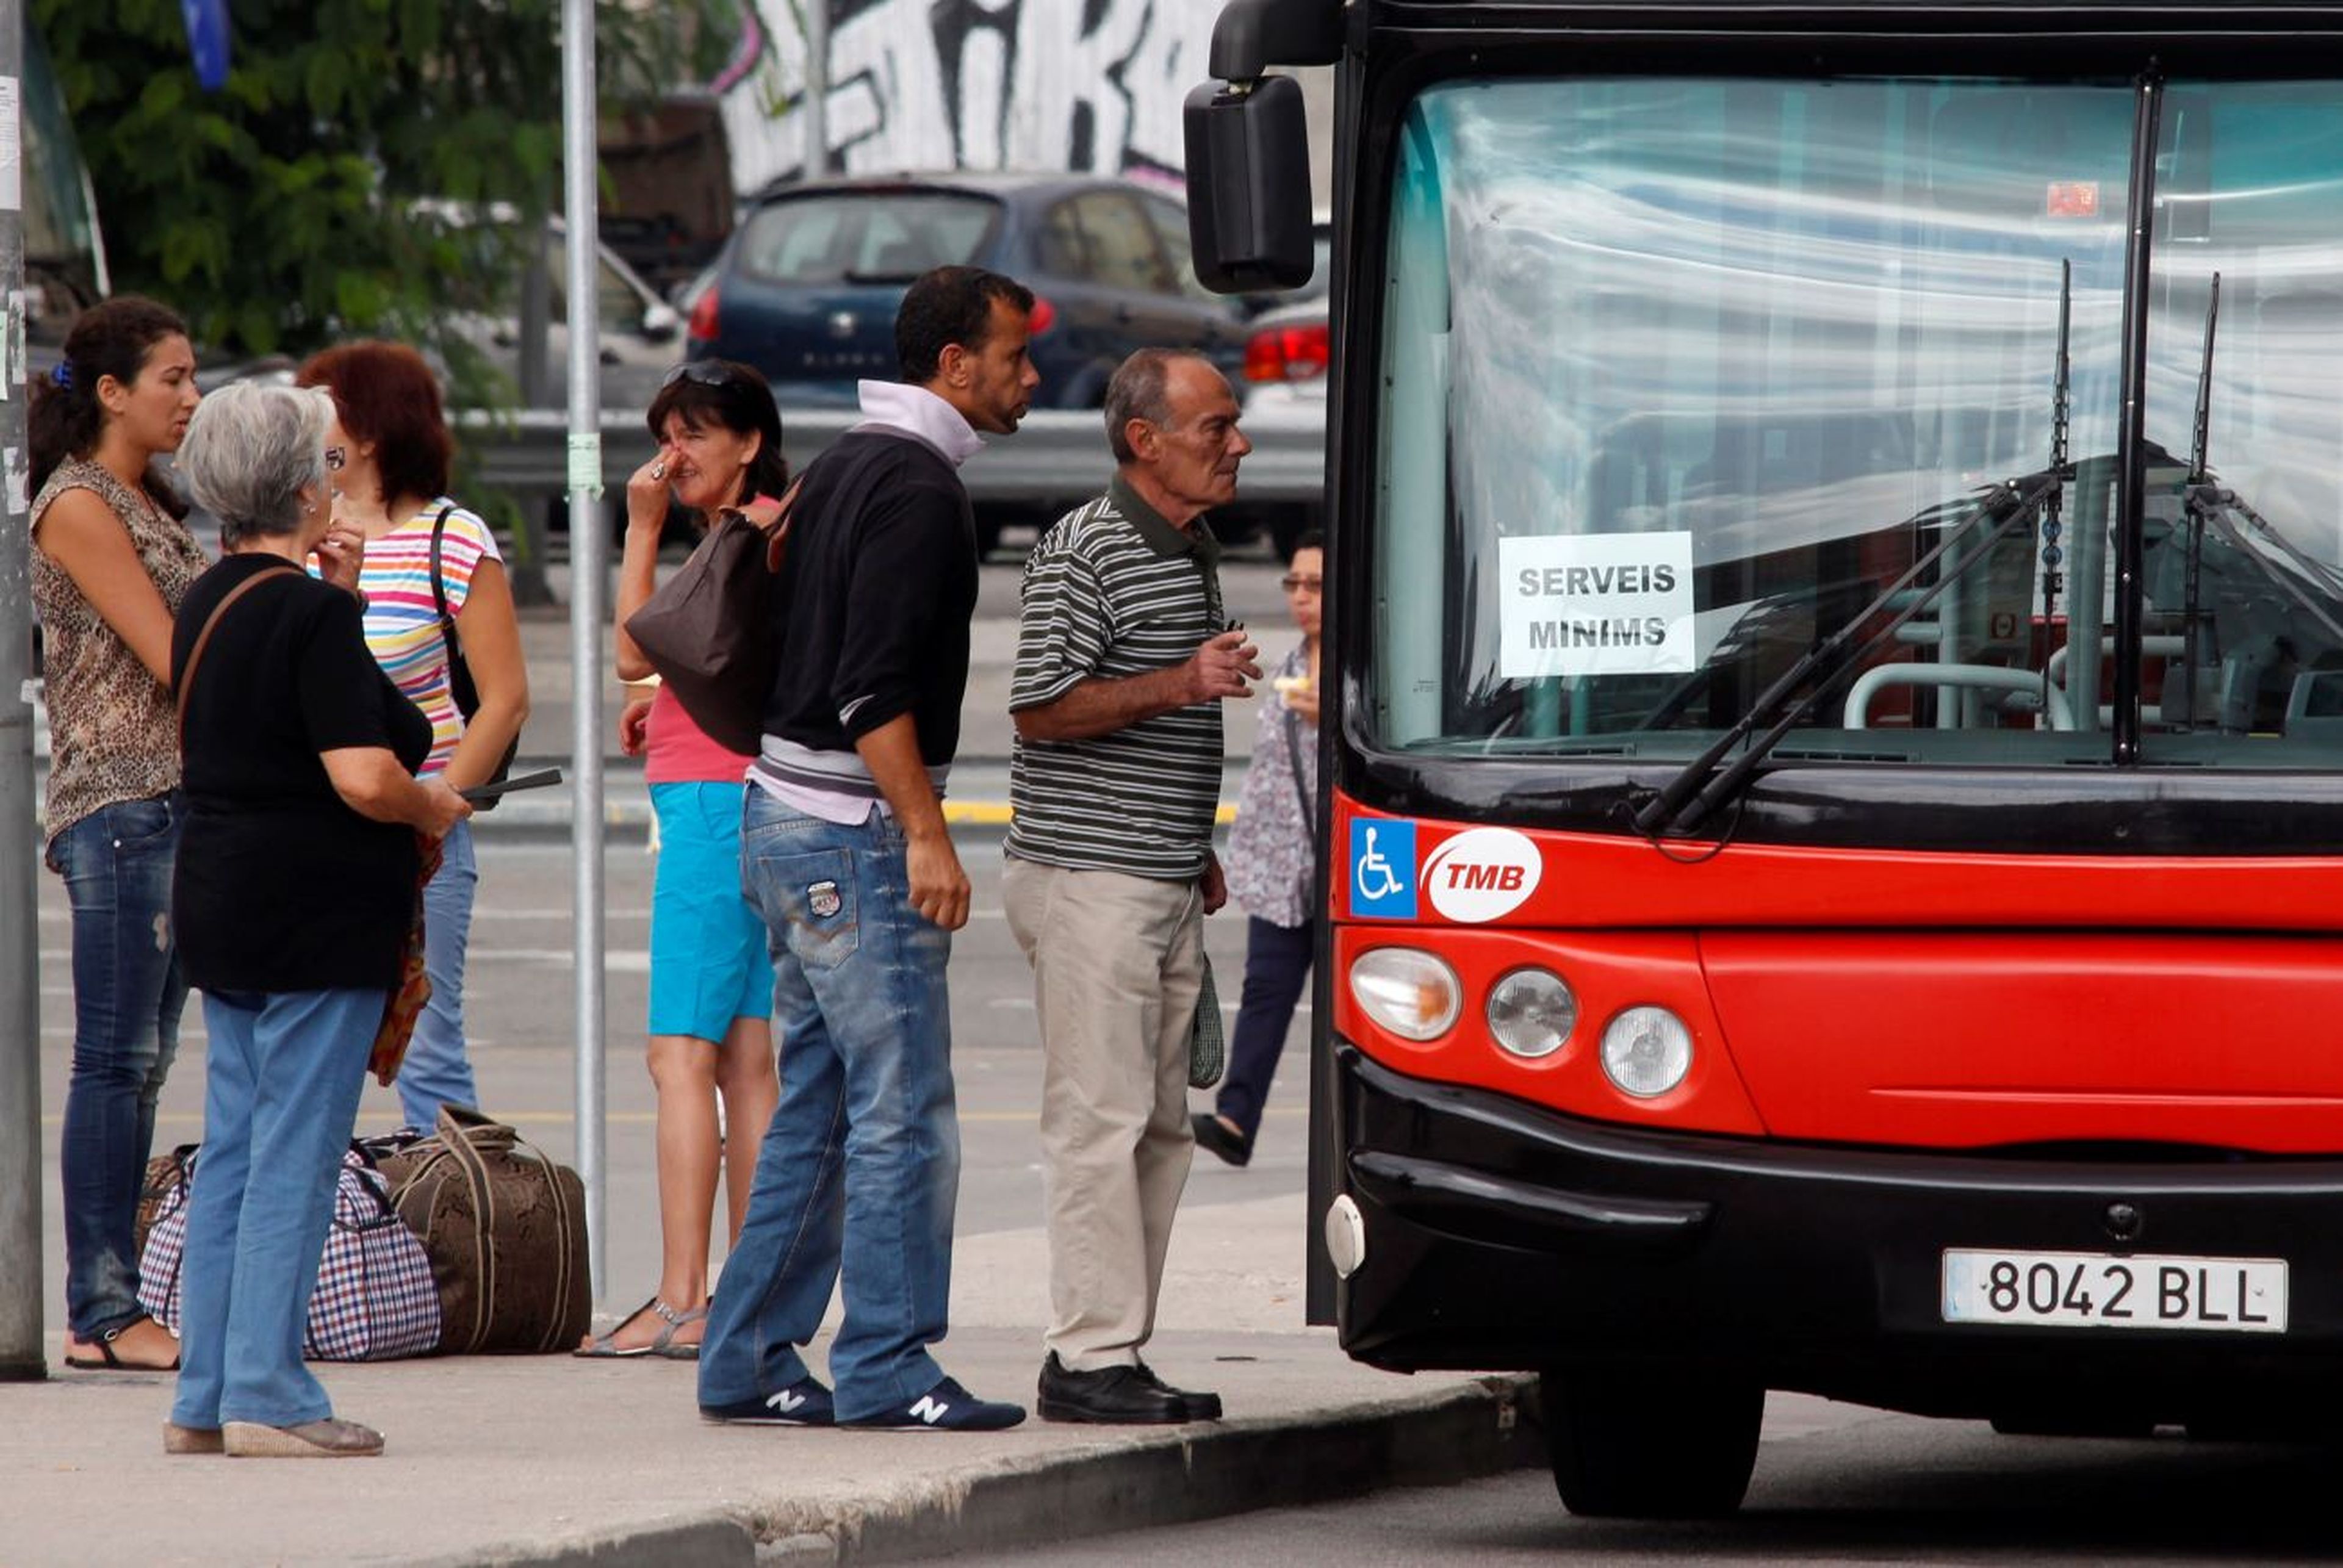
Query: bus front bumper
x,y
1498,1235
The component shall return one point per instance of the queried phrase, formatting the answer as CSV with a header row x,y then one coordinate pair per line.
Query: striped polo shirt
x,y
1114,590
402,623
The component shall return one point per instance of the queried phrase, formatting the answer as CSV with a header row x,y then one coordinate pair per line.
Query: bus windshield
x,y
1680,377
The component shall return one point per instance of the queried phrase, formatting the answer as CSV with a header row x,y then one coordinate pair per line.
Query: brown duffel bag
x,y
505,1231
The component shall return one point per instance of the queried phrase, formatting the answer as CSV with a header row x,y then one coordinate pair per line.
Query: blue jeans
x,y
280,1096
1277,966
436,1071
859,1169
127,995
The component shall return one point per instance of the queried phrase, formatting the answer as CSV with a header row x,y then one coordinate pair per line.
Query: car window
x,y
857,236
1171,221
1122,243
1059,249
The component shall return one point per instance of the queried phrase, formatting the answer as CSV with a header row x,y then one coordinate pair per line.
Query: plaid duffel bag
x,y
374,1300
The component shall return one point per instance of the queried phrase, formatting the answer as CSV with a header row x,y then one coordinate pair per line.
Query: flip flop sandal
x,y
108,1361
606,1347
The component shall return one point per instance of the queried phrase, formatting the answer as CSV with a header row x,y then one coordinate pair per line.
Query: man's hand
x,y
1215,886
647,491
939,886
633,726
1221,667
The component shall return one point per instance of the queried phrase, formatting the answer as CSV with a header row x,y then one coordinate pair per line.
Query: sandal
x,y
106,1360
605,1346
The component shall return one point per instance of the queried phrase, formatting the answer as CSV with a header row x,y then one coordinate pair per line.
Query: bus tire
x,y
1631,1445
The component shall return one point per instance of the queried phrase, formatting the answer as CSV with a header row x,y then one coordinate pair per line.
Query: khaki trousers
x,y
1118,962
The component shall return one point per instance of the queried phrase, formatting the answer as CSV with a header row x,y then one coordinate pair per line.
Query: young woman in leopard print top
x,y
111,561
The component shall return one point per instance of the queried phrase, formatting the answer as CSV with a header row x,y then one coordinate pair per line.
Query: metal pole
x,y
20,985
817,89
589,549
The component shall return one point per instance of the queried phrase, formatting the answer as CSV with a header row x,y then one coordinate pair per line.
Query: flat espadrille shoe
x,y
178,1439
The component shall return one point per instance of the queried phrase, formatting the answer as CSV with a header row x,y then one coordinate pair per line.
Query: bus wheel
x,y
1650,1446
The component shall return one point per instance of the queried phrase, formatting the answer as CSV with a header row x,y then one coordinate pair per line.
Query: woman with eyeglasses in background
x,y
387,457
1273,869
111,561
711,1001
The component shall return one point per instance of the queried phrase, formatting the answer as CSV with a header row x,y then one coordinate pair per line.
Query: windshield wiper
x,y
1689,798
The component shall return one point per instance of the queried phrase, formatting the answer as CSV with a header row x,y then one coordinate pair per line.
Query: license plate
x,y
2094,1290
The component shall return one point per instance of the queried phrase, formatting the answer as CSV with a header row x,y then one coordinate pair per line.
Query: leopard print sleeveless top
x,y
113,727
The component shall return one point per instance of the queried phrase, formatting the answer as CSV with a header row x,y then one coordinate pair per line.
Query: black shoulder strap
x,y
440,584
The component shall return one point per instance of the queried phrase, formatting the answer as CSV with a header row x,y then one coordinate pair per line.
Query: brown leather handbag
x,y
710,630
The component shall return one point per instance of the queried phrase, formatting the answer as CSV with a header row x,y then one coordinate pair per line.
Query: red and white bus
x,y
1835,759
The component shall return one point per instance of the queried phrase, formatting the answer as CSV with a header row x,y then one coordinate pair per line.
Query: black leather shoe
x,y
1111,1396
1201,1406
1211,1133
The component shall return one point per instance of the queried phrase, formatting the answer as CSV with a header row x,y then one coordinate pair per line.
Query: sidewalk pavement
x,y
549,1460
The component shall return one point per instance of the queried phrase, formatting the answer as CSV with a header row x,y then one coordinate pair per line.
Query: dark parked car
x,y
806,287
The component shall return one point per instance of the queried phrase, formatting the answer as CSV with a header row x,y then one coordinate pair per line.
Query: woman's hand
x,y
441,808
633,726
1301,701
647,491
341,554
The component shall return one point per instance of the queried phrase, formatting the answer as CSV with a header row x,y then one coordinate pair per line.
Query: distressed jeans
x,y
859,1169
127,995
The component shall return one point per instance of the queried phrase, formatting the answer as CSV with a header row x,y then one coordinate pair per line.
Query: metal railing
x,y
1057,457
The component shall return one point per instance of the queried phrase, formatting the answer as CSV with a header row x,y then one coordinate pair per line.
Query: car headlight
x,y
1647,1052
1530,1012
1409,991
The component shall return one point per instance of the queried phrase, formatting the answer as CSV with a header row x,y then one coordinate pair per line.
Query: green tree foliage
x,y
280,211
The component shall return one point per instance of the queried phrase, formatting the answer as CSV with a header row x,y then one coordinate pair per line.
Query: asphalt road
x,y
1833,1484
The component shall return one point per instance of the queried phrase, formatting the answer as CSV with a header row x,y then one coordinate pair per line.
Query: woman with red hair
x,y
433,581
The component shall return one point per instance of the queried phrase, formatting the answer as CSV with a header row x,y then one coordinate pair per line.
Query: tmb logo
x,y
1482,874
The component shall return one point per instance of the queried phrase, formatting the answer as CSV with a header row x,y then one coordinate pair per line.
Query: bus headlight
x,y
1647,1052
1530,1014
1409,991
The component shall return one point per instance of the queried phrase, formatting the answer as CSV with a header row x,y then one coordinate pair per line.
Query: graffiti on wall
x,y
1075,84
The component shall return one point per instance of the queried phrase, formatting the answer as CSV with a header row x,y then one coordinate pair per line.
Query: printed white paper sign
x,y
1596,604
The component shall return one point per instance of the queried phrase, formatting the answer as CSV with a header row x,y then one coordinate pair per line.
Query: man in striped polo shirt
x,y
1123,656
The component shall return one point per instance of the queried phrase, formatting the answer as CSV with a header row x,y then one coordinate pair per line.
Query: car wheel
x,y
1645,1444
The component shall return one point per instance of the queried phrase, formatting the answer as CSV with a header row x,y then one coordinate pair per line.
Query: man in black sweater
x,y
845,854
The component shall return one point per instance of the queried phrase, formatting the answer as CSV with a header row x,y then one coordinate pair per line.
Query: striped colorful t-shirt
x,y
402,622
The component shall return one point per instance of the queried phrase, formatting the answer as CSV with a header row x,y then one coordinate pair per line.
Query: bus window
x,y
1683,374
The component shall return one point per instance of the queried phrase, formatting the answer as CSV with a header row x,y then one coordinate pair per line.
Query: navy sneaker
x,y
947,1407
804,1403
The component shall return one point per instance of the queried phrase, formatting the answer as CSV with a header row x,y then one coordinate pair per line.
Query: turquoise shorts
x,y
708,958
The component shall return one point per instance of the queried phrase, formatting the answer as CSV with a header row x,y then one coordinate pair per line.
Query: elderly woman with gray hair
x,y
293,893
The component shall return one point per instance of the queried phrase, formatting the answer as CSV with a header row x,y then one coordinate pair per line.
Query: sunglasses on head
x,y
702,372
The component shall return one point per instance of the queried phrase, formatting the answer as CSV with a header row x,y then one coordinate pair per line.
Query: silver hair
x,y
1141,389
249,451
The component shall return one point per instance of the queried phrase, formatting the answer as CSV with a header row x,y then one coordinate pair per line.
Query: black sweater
x,y
877,588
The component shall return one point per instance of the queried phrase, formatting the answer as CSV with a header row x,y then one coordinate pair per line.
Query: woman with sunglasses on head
x,y
428,562
711,1002
111,561
1273,869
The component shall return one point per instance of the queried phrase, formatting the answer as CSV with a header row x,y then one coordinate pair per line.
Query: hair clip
x,y
63,374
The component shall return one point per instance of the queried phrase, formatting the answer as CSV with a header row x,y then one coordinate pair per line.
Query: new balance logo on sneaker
x,y
947,1407
804,1403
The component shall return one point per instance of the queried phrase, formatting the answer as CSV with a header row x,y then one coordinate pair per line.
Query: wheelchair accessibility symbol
x,y
1382,869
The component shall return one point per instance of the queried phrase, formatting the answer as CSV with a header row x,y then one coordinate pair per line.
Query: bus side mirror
x,y
1249,196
